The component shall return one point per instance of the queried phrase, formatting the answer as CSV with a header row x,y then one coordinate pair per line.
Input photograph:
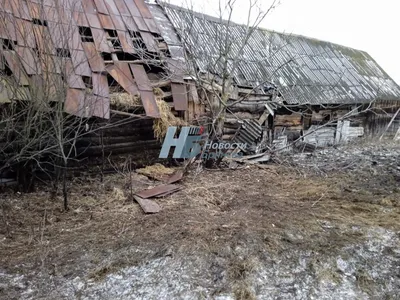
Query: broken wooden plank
x,y
148,206
288,120
158,190
179,96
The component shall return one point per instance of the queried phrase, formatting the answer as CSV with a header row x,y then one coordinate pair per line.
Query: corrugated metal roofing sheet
x,y
308,71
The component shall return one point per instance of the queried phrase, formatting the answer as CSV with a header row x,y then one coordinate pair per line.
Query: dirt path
x,y
236,234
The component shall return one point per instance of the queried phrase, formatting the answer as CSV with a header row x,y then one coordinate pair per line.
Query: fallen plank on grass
x,y
148,206
158,190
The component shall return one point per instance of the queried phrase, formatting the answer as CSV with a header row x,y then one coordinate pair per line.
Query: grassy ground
x,y
274,208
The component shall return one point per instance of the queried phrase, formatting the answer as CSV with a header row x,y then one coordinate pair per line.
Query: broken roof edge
x,y
308,38
230,22
357,57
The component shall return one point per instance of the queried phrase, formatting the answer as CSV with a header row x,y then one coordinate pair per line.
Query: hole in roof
x,y
106,56
39,22
8,44
113,38
86,34
63,52
87,80
6,71
137,40
127,56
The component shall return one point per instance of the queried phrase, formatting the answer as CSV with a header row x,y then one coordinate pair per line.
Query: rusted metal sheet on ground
x,y
177,176
150,104
79,61
141,77
148,206
126,41
101,7
106,21
15,66
95,60
93,21
100,85
179,96
168,193
149,41
144,10
158,190
100,40
30,60
122,74
74,103
133,8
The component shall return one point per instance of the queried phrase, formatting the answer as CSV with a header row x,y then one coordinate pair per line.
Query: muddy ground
x,y
319,226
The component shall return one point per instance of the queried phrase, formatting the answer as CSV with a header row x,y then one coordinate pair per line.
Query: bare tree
x,y
41,116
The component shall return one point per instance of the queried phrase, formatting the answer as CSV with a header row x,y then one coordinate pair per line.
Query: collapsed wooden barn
x,y
104,61
287,87
123,67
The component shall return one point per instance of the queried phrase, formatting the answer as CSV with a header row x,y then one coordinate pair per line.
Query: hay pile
x,y
124,101
157,169
167,119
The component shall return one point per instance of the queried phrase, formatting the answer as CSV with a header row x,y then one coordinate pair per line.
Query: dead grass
x,y
244,293
217,211
155,170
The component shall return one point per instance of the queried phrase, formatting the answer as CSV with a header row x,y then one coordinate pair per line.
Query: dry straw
x,y
167,118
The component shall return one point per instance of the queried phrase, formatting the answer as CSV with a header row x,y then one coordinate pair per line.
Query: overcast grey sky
x,y
372,26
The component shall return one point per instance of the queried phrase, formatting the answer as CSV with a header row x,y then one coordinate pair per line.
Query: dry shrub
x,y
167,119
118,194
124,101
158,169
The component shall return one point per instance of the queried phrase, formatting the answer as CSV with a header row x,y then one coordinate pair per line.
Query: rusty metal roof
x,y
74,39
306,70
